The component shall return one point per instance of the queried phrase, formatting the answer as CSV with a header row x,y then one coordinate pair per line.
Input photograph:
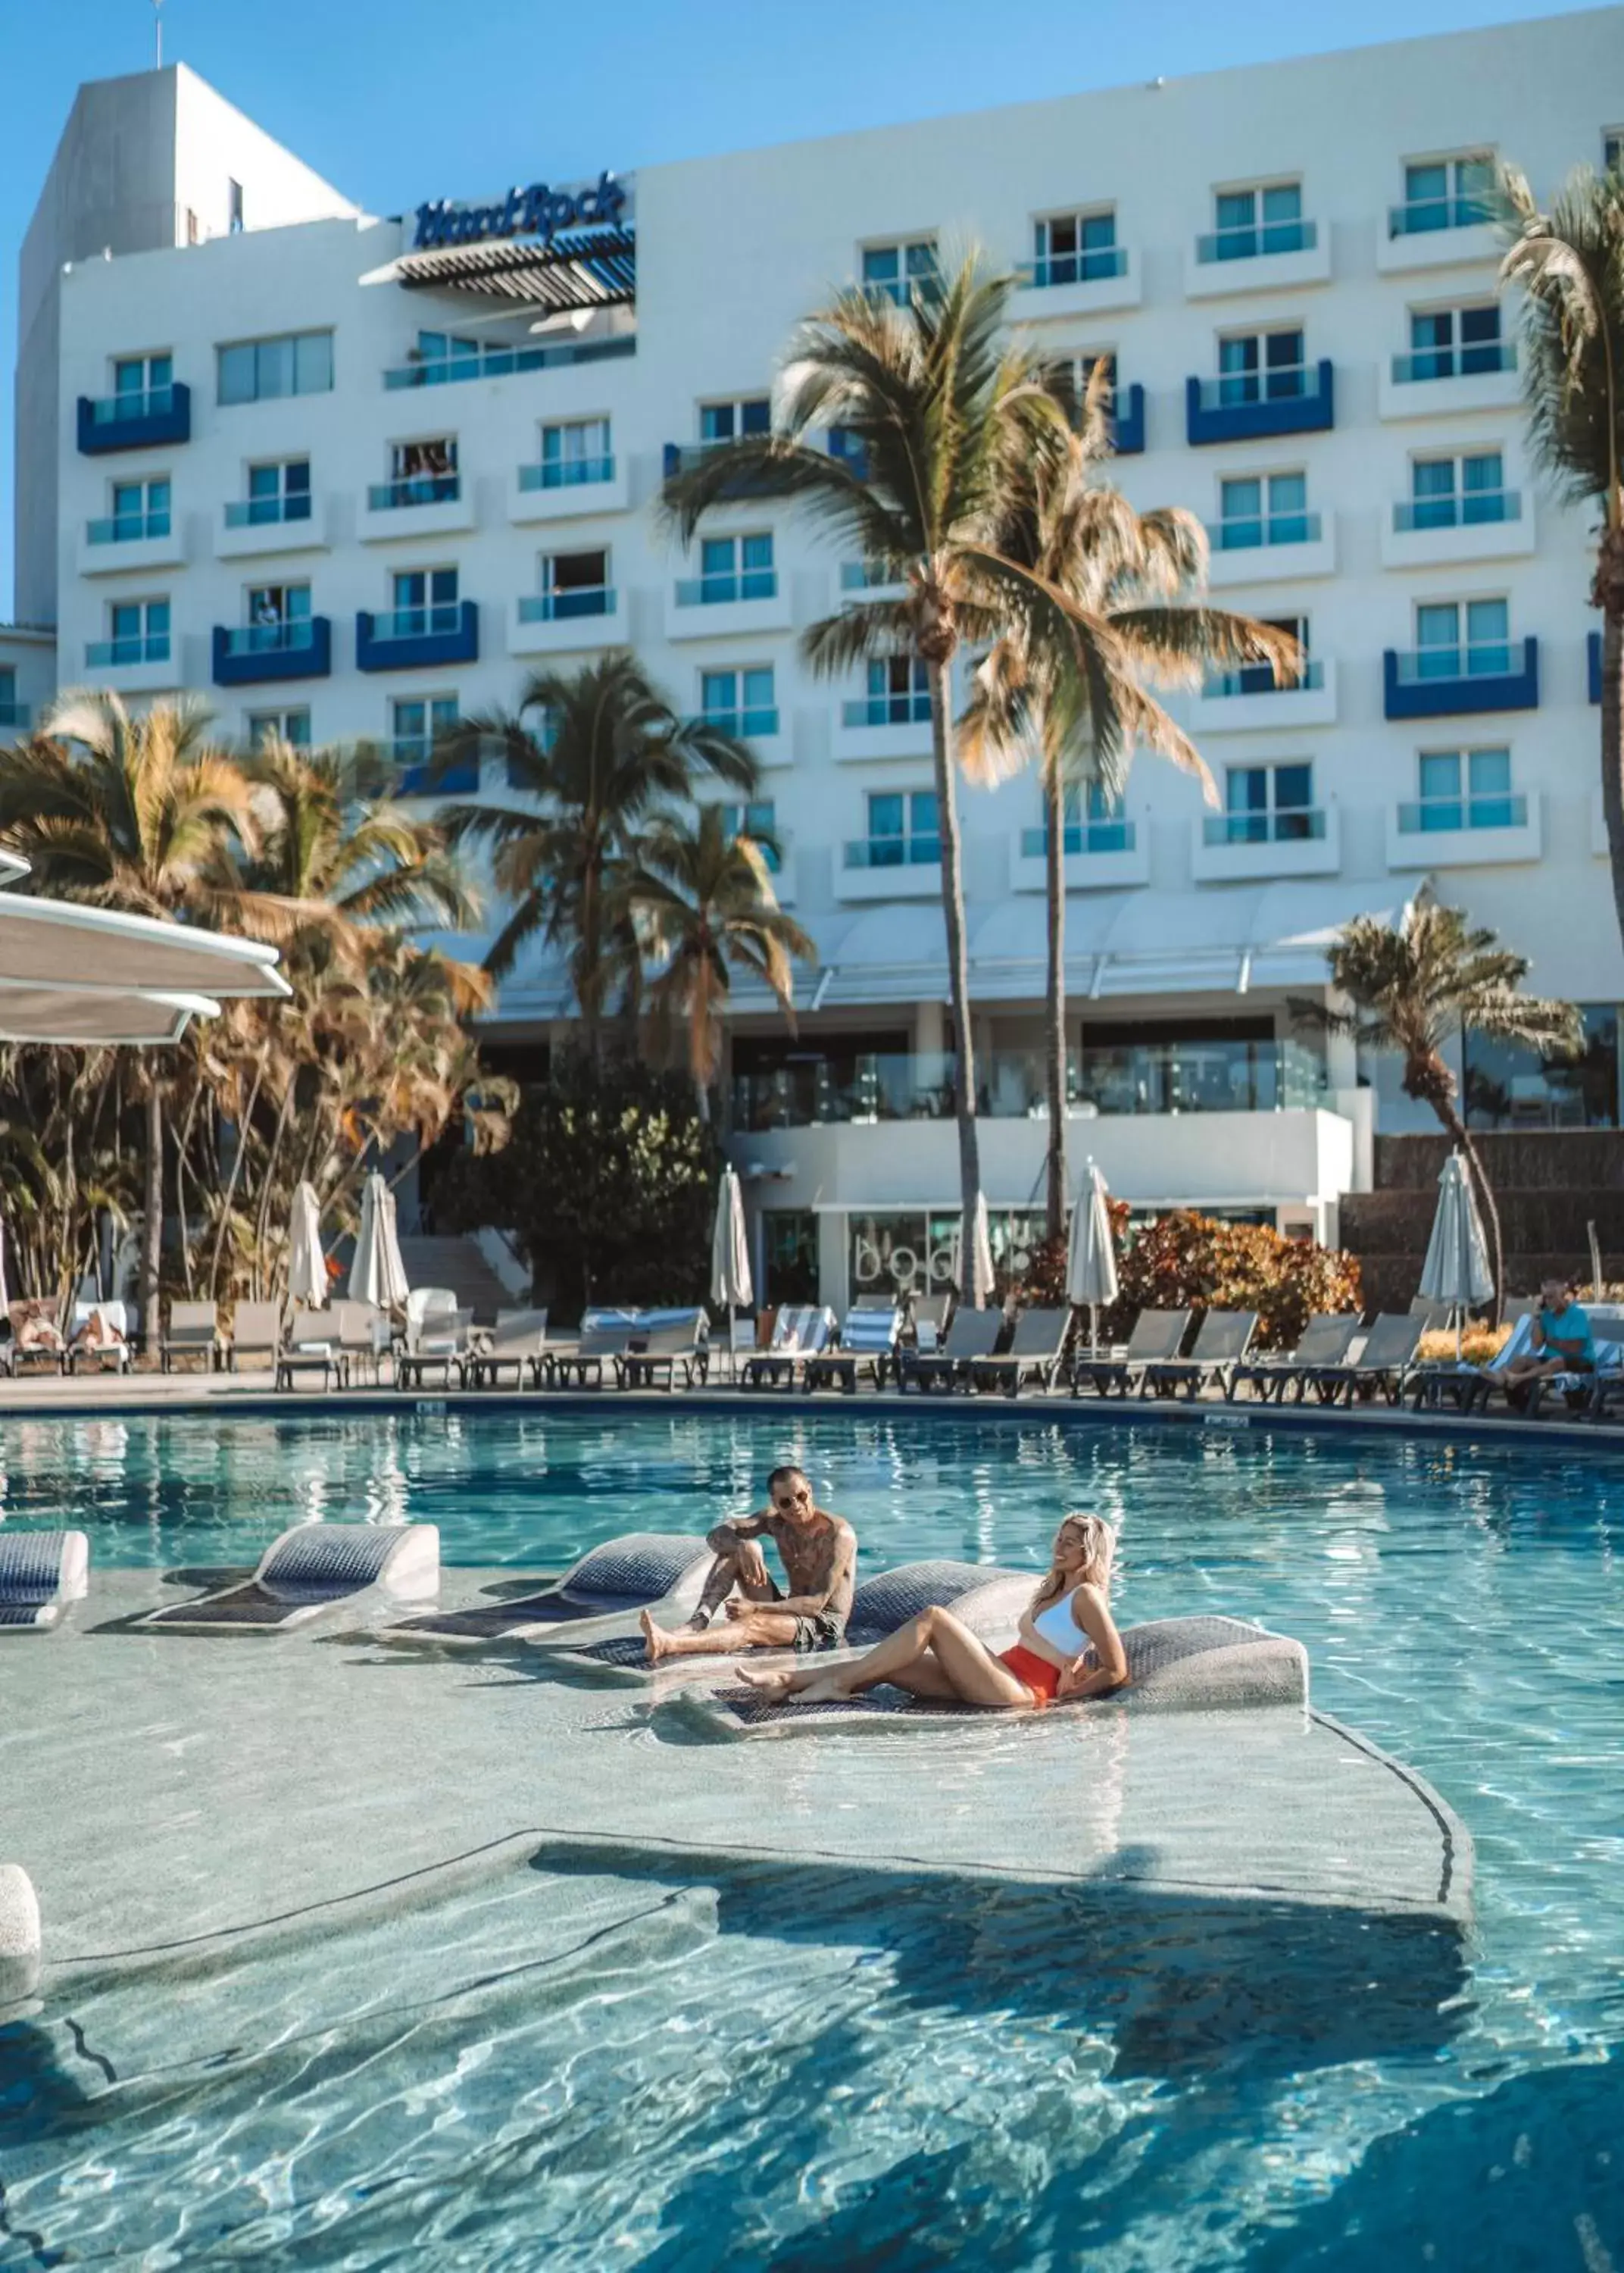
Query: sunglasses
x,y
795,1499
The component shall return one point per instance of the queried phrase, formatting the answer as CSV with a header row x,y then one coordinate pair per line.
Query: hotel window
x,y
1456,342
1612,150
729,422
140,509
1256,509
1079,248
1094,821
139,632
233,206
291,726
899,691
279,616
1248,222
1464,789
1462,638
1456,492
736,568
1260,367
8,695
1510,1086
260,371
740,702
576,450
420,473
897,270
1445,193
425,601
903,829
445,351
276,492
1265,805
575,584
142,384
758,821
416,723
1259,678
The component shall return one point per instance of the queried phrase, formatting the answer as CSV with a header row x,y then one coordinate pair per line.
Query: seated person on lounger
x,y
1560,1341
1069,1646
34,1329
98,1332
819,1552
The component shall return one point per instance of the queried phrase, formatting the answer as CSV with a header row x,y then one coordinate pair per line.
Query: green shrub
x,y
1186,1261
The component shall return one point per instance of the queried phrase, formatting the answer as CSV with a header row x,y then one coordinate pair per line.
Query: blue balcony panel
x,y
1592,657
257,654
154,420
418,774
1128,424
415,639
1212,420
1409,697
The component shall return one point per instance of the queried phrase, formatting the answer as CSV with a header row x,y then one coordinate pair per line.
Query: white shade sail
x,y
378,1275
1091,1256
731,1286
307,1267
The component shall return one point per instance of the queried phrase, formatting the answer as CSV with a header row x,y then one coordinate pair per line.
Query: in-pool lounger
x,y
656,1570
40,1573
314,1568
1200,1664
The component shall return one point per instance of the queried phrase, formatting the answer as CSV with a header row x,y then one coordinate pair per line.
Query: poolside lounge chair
x,y
1154,1342
1475,1387
1469,1387
1034,1354
314,1569
1383,1365
663,1572
928,1317
973,1334
800,1331
439,1344
34,1314
674,1344
867,1343
1221,1345
1326,1340
193,1331
364,1336
585,1358
311,1345
40,1573
115,1318
255,1326
515,1341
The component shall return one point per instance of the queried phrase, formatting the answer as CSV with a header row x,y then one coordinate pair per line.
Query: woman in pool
x,y
1069,1646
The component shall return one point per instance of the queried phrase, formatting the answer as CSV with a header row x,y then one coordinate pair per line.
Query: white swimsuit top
x,y
1058,1625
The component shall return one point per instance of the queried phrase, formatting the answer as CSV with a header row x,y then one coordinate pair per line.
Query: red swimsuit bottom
x,y
1041,1677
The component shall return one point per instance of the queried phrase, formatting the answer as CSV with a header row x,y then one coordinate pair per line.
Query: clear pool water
x,y
568,2069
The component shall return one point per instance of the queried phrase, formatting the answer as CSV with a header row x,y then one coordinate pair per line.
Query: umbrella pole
x,y
1094,1330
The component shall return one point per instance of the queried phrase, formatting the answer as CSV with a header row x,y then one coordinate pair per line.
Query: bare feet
x,y
773,1686
794,1688
653,1639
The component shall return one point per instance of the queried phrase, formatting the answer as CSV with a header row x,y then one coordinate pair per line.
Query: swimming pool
x,y
570,2066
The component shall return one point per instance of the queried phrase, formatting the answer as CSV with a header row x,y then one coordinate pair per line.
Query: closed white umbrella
x,y
731,1285
5,1297
1457,1270
378,1274
1091,1255
307,1267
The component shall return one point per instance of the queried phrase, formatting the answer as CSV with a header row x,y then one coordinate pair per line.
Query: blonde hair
x,y
1099,1548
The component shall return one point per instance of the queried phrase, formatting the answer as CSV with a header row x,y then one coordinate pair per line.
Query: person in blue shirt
x,y
1562,1340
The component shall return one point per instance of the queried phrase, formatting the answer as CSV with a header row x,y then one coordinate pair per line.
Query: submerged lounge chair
x,y
1221,1345
194,1331
1325,1341
1383,1364
1034,1354
313,1568
657,1571
1154,1342
800,1331
973,1334
669,1344
40,1573
516,1340
867,1344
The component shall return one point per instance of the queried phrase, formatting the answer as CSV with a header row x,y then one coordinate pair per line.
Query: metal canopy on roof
x,y
585,268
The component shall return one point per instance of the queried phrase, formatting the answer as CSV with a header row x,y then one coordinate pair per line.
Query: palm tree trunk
x,y
1054,878
958,958
152,1226
1456,1128
1608,593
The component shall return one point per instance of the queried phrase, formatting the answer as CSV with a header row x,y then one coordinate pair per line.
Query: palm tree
x,y
128,812
1570,265
1127,576
608,751
1414,989
943,422
703,904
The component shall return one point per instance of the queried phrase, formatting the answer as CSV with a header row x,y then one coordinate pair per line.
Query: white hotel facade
x,y
270,453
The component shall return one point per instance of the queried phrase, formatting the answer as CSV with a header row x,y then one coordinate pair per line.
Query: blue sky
x,y
397,100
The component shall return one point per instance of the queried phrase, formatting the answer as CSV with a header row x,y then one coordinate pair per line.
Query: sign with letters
x,y
537,211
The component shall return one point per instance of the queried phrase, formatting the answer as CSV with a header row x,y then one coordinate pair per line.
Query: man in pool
x,y
819,1552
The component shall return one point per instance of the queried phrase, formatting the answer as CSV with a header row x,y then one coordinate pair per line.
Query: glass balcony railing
x,y
1258,678
266,512
502,363
1246,532
559,607
120,654
1473,360
716,591
1286,824
1094,265
436,622
911,710
128,528
894,853
1487,659
270,639
566,473
1467,510
1422,215
1079,836
1286,382
1219,1077
744,725
414,489
868,575
1255,240
137,404
1501,809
